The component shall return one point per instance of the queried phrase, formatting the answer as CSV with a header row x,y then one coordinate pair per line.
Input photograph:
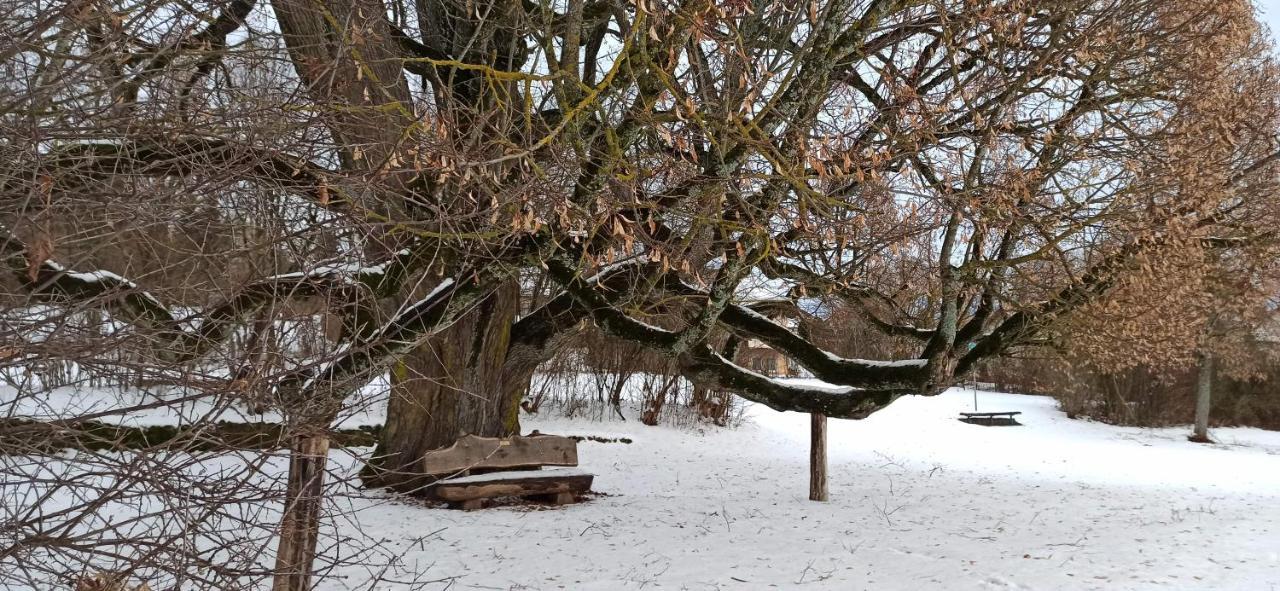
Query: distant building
x,y
776,299
758,357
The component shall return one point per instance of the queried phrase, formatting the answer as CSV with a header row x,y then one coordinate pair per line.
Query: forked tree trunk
x,y
615,394
452,386
1204,391
299,527
818,457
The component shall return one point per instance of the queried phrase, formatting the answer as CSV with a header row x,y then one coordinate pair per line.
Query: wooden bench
x,y
477,468
991,418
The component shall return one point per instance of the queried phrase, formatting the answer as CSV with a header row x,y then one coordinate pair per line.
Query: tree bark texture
x,y
455,385
304,500
818,457
1204,391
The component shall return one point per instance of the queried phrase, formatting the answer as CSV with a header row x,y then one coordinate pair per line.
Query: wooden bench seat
x,y
557,486
478,468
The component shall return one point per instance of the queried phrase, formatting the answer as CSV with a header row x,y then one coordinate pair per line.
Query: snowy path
x,y
919,501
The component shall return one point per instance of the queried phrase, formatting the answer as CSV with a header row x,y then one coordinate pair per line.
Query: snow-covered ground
x,y
919,501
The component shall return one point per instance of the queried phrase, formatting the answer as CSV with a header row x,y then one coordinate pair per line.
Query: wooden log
x,y
493,453
817,457
22,433
508,484
300,524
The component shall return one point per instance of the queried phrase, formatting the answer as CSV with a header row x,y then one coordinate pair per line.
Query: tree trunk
x,y
615,395
300,524
818,458
458,383
1204,389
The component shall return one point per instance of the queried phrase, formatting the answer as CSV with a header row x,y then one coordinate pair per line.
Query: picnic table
x,y
1002,418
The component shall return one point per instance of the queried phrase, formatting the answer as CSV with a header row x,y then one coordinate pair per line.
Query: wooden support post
x,y
818,458
564,498
300,524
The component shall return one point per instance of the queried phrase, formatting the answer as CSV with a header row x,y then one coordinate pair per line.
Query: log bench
x,y
1004,418
474,469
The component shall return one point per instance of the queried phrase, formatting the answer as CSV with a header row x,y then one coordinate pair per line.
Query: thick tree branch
x,y
860,373
210,39
345,283
76,165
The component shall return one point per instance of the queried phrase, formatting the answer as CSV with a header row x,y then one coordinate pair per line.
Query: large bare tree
x,y
965,175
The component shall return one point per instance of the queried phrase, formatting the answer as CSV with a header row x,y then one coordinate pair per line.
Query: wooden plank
x,y
488,477
494,453
547,483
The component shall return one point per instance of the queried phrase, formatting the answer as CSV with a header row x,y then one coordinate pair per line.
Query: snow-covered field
x,y
919,501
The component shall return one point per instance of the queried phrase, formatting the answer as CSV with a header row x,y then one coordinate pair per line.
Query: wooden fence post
x,y
300,524
818,457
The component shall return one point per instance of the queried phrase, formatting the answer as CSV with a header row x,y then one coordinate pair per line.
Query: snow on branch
x,y
860,373
185,338
48,279
352,272
844,398
348,282
373,352
832,400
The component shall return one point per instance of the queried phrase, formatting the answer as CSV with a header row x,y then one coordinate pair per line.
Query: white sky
x,y
1270,13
